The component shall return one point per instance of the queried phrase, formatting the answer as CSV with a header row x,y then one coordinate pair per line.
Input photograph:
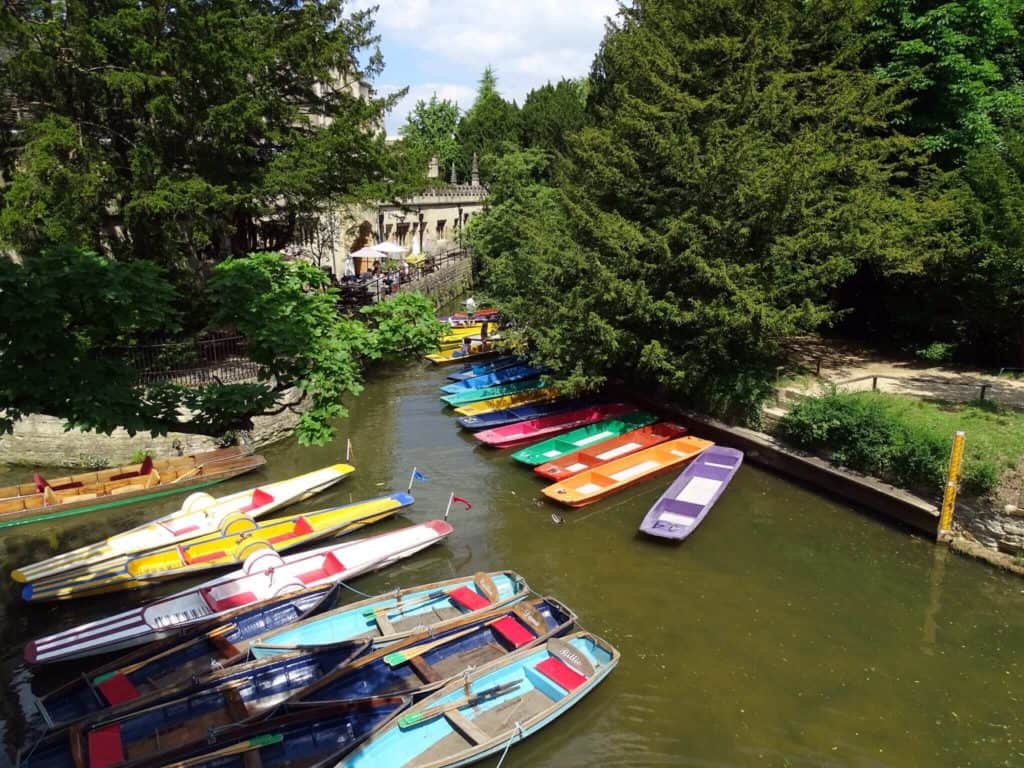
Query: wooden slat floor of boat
x,y
171,738
499,720
477,657
435,615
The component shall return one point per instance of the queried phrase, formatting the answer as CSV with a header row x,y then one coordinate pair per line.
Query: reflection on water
x,y
788,630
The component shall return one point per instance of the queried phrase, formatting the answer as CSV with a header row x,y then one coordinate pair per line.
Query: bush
x,y
937,352
867,433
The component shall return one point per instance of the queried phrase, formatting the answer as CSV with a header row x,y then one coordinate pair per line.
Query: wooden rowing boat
x,y
181,659
315,737
507,700
311,737
513,373
609,450
391,617
238,536
469,396
534,430
428,660
200,514
594,484
531,397
265,574
685,504
173,719
50,499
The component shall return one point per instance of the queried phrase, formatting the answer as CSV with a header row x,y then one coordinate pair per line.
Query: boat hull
x,y
264,575
482,368
470,396
616,448
535,396
533,433
510,375
685,504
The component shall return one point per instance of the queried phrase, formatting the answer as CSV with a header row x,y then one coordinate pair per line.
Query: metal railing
x,y
360,290
215,358
938,388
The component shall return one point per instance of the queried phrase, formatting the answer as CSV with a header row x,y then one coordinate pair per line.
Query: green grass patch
x,y
907,441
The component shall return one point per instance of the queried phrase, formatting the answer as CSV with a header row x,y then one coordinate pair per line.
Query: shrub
x,y
937,352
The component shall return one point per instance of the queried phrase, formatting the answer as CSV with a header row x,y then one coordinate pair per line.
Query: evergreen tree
x,y
429,131
489,128
552,112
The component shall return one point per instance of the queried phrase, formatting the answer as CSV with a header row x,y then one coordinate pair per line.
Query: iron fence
x,y
215,358
363,289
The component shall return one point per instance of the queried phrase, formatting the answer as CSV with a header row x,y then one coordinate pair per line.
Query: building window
x,y
440,228
401,232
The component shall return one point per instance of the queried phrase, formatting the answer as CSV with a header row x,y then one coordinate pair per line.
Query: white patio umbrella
x,y
390,248
367,253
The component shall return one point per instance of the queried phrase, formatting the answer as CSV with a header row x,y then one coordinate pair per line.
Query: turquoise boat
x,y
496,705
476,395
396,615
584,437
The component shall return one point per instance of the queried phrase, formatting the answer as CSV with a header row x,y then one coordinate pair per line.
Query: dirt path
x,y
842,361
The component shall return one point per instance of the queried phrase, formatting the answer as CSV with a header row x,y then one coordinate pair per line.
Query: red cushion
x,y
105,747
66,486
236,600
147,466
40,481
117,689
557,671
466,598
513,632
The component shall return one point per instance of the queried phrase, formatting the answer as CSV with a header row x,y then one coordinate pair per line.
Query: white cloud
x,y
528,42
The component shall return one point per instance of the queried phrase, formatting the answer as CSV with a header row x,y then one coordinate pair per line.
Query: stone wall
x,y
446,284
42,441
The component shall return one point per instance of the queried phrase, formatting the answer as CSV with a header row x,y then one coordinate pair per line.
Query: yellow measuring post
x,y
956,458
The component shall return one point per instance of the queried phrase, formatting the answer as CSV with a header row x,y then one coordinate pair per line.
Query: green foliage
x,y
937,352
551,113
961,62
907,442
429,131
404,327
182,133
489,128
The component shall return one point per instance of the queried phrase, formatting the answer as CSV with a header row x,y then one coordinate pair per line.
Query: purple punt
x,y
685,503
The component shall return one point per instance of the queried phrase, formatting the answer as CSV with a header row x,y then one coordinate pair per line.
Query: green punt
x,y
476,395
584,437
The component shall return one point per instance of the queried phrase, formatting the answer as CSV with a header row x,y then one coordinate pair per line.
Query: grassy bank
x,y
906,441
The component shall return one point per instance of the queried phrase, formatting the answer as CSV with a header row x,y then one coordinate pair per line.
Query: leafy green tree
x,y
489,128
961,61
741,162
429,131
552,112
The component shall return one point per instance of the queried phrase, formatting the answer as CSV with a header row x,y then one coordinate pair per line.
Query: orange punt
x,y
609,450
595,484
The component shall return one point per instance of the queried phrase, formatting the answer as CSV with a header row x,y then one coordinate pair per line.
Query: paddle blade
x,y
394,659
411,719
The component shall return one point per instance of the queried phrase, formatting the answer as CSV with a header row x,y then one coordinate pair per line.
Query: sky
x,y
442,46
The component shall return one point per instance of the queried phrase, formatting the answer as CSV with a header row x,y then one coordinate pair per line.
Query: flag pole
x,y
412,477
448,509
348,449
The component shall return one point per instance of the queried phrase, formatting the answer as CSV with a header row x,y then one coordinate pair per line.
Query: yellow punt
x,y
478,350
453,338
545,395
238,536
199,514
594,484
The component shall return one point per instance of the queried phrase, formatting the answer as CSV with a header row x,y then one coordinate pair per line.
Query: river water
x,y
790,630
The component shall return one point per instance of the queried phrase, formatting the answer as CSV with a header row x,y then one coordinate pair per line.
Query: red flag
x,y
461,501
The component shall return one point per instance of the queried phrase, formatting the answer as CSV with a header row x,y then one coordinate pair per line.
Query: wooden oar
x,y
256,742
399,608
224,629
468,701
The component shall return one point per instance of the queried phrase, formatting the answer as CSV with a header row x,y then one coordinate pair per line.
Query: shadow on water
x,y
788,630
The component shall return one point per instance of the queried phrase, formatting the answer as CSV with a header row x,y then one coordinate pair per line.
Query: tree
x,y
740,163
489,128
962,64
551,113
429,130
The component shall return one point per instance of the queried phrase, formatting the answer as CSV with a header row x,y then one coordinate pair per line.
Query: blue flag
x,y
417,475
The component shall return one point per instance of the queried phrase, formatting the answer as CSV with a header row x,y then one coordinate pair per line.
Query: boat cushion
x,y
237,600
117,689
105,747
147,466
513,632
40,481
466,598
260,498
560,673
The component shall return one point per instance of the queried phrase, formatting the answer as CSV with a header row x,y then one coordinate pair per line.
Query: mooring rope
x,y
508,745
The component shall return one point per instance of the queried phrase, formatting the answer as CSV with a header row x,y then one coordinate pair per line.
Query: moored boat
x,y
471,348
523,413
481,368
497,704
531,397
685,503
617,447
430,659
265,574
200,514
468,396
514,373
311,737
168,719
594,484
238,536
612,415
179,660
49,499
396,615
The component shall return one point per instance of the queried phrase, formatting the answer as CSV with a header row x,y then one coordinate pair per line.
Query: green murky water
x,y
790,630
